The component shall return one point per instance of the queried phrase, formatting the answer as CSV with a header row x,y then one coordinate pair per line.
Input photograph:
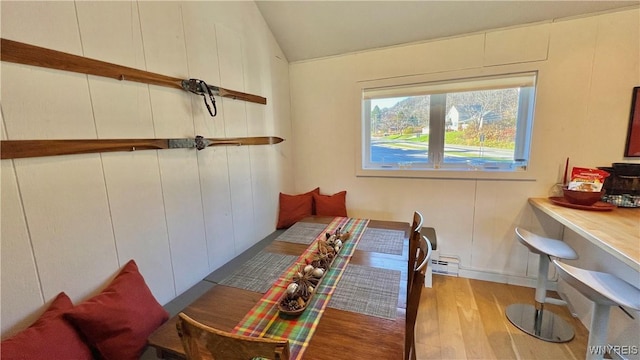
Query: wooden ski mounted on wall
x,y
16,149
21,53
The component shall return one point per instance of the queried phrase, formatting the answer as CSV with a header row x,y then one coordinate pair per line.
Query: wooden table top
x,y
354,335
617,231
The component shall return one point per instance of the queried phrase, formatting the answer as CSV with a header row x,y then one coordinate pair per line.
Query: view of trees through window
x,y
478,125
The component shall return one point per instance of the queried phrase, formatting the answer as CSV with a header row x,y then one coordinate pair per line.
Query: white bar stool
x,y
605,290
536,321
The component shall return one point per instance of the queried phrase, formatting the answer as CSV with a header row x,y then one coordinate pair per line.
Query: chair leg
x,y
598,332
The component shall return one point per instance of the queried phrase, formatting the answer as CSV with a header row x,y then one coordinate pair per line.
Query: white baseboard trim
x,y
503,278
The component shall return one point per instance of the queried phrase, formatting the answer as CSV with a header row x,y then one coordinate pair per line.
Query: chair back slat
x,y
423,256
202,342
414,242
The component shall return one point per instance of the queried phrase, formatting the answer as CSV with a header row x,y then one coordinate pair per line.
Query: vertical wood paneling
x,y
257,76
522,44
230,58
185,223
239,160
202,58
43,23
139,224
240,177
263,158
461,53
90,213
121,108
216,202
264,199
65,202
164,45
241,197
562,94
498,210
47,113
164,49
33,104
615,62
21,295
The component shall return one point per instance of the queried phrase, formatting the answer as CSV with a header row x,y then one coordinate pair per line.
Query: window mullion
x,y
437,114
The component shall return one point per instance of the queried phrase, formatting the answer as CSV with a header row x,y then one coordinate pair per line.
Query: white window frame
x,y
433,170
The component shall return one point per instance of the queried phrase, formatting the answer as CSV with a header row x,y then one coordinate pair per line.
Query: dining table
x,y
359,314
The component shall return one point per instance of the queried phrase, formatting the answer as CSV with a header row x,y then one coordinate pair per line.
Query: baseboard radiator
x,y
444,265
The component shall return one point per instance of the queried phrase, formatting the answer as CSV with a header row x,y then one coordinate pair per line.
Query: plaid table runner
x,y
264,319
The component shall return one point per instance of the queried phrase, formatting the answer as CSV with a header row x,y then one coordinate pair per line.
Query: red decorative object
x,y
294,208
331,205
599,206
50,337
118,321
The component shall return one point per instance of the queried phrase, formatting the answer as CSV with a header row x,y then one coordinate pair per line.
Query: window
x,y
471,124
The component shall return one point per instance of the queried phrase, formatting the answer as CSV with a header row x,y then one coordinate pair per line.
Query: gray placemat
x,y
260,272
382,241
368,290
302,233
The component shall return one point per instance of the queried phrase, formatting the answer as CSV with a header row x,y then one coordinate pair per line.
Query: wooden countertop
x,y
617,231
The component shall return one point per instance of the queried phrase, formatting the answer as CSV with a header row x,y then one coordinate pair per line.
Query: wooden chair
x,y
414,243
204,342
413,301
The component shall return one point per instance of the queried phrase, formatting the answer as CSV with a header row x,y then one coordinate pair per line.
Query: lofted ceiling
x,y
312,29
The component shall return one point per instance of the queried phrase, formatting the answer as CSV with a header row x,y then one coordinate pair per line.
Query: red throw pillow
x,y
294,208
50,337
331,205
118,321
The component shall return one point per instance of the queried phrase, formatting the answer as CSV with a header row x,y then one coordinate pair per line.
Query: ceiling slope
x,y
312,29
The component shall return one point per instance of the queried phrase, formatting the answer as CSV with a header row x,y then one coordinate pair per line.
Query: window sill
x,y
444,173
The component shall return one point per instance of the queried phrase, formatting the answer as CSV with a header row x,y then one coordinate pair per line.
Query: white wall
x,y
587,69
70,222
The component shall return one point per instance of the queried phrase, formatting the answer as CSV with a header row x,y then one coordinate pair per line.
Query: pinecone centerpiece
x,y
307,278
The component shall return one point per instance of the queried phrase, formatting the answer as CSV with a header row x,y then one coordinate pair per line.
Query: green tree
x,y
376,116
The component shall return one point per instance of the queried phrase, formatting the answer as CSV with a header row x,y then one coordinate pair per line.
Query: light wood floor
x,y
464,319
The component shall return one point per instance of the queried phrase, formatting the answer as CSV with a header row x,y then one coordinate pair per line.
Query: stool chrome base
x,y
542,324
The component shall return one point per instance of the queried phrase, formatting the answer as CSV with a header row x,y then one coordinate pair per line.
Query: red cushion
x,y
294,208
331,205
118,321
50,337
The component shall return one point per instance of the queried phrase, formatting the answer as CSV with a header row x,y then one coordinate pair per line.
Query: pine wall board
x,y
136,205
185,220
521,44
48,106
121,109
70,222
18,272
241,197
67,211
216,205
615,60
